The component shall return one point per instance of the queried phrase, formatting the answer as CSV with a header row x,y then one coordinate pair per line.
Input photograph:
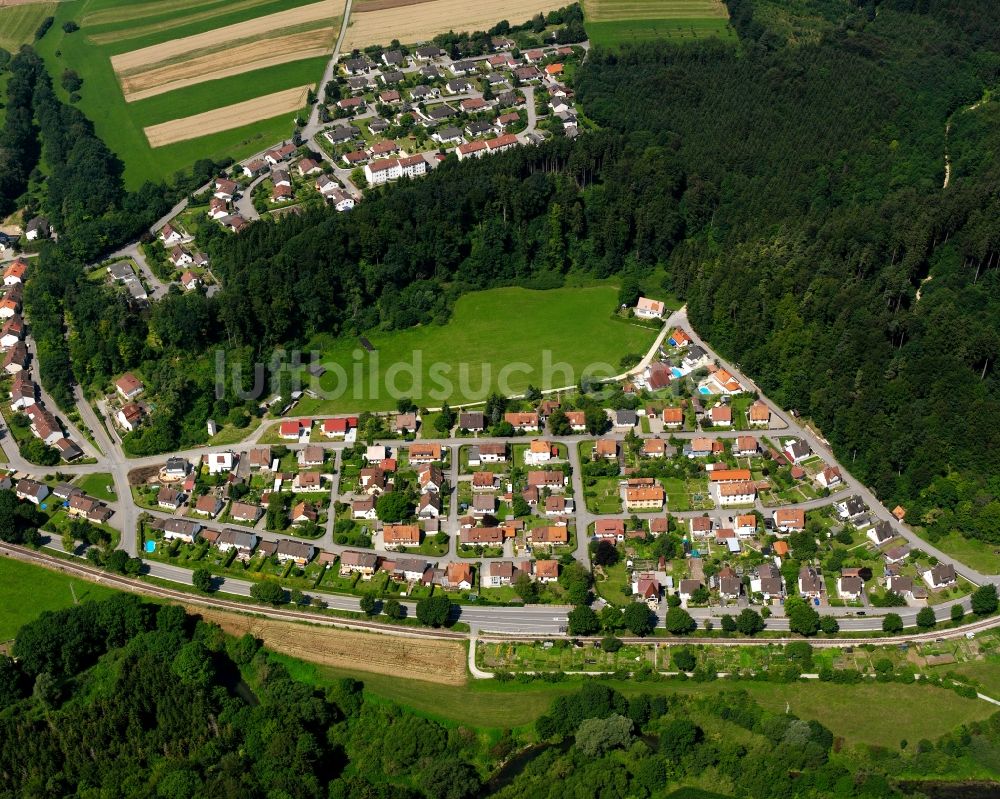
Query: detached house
x,y
523,422
789,520
129,386
649,309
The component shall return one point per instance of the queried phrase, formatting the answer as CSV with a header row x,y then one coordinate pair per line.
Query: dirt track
x,y
324,10
418,23
227,117
416,658
235,61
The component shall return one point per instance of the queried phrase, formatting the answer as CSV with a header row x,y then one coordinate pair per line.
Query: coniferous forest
x,y
790,187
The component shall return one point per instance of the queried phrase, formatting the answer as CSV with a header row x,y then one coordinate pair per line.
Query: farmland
x,y
440,662
18,23
479,348
611,22
379,22
231,77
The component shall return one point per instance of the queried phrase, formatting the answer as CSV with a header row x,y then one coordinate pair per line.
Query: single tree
x,y
892,623
368,605
925,618
984,600
583,621
268,591
638,619
201,578
678,621
433,610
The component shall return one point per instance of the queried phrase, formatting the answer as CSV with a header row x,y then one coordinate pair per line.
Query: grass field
x,y
919,711
614,22
19,23
981,556
138,25
498,338
96,485
26,591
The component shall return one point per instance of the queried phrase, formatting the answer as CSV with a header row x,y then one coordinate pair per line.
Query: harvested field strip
x,y
654,9
266,53
171,22
227,117
441,662
325,10
424,21
321,32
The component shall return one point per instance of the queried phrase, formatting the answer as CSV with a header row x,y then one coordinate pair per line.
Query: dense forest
x,y
121,698
829,262
790,186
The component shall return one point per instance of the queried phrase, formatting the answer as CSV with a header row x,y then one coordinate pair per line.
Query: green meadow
x,y
491,335
121,124
617,32
614,22
26,591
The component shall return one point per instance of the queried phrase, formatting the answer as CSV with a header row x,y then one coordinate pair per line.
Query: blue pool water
x,y
676,372
150,546
704,390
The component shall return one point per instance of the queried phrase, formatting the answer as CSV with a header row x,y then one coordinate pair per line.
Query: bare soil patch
x,y
418,23
315,12
417,658
227,117
234,61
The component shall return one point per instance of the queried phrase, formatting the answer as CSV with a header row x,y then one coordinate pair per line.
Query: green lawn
x,y
26,591
481,347
919,711
120,124
96,486
981,556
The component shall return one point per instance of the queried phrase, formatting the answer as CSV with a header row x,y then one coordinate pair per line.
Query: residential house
x,y
219,462
176,469
245,512
758,414
15,272
22,392
789,520
44,425
746,526
653,448
430,479
181,529
626,418
498,573
558,505
129,416
523,422
485,481
644,498
298,552
12,331
473,421
170,235
721,416
225,189
850,585
609,529
363,563
425,453
551,479
606,448
548,536
129,386
260,458
30,490
481,536
830,477
851,508
746,447
673,418
16,358
538,452
766,580
810,584
487,453
303,513
940,576
797,451
169,498
208,505
429,506
395,536
310,455
372,480
306,482
646,588
881,533
483,505
646,308
364,508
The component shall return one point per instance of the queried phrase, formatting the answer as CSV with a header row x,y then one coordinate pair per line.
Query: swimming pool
x,y
676,372
150,546
704,390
